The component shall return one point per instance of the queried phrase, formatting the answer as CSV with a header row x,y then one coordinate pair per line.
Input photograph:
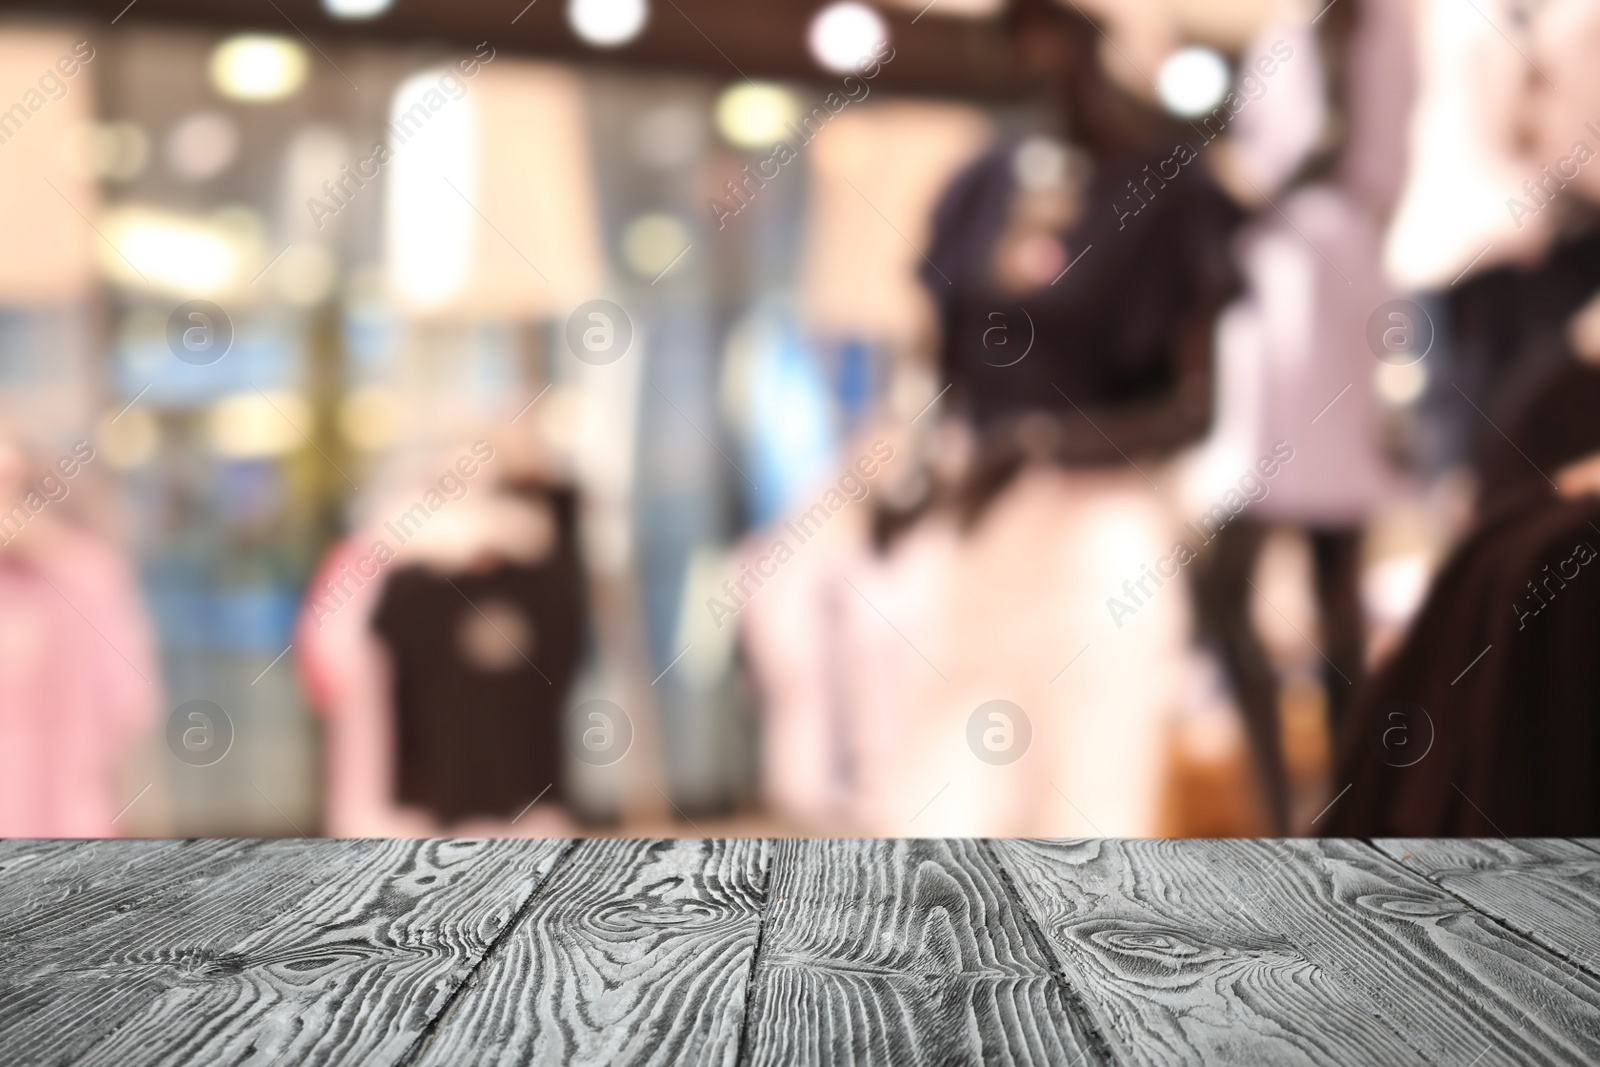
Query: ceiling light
x,y
257,68
1192,81
843,35
356,9
607,23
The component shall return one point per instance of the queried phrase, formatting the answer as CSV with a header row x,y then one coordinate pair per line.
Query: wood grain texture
x,y
1180,966
39,875
91,932
306,952
1546,888
1457,983
360,968
636,952
905,952
817,952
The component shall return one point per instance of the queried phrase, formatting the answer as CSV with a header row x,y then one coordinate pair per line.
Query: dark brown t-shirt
x,y
482,665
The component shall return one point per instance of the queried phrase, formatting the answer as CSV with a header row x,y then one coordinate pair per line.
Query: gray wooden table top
x,y
620,951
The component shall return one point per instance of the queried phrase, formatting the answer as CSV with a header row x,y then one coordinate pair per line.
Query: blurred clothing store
x,y
978,417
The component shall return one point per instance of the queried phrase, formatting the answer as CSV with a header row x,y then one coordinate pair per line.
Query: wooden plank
x,y
355,972
1070,953
36,874
94,931
1545,888
636,952
18,846
1179,964
905,952
1458,984
1448,980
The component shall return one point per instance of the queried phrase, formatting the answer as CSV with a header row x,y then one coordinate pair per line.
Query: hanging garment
x,y
791,638
1295,370
346,680
1553,424
1294,366
1500,660
481,663
1484,722
78,681
1295,373
1504,138
1509,330
781,400
1294,363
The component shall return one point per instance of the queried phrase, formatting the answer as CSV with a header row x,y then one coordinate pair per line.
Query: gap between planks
x,y
1077,1007
1538,946
752,987
421,1043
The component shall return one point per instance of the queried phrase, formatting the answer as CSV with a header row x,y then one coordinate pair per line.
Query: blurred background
x,y
684,416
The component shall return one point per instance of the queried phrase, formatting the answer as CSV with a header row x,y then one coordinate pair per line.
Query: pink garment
x,y
1273,135
1294,362
346,680
78,680
791,632
1295,366
1380,86
327,648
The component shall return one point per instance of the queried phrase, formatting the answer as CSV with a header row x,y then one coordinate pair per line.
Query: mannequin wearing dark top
x,y
1118,363
1121,338
1102,253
